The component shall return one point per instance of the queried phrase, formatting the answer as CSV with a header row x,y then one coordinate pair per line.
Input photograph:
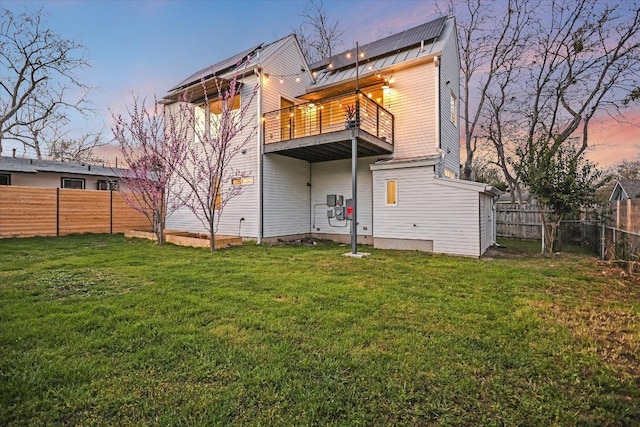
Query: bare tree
x,y
152,144
39,82
319,34
68,148
485,53
585,60
222,130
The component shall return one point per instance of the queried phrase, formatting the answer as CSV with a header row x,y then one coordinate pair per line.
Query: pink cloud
x,y
615,139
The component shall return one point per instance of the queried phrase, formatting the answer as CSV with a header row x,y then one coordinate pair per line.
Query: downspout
x,y
436,61
260,162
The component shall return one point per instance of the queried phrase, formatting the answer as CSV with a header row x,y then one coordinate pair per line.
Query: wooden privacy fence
x,y
520,222
30,211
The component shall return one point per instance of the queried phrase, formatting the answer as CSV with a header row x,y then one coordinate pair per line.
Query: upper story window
x,y
5,179
215,113
453,109
77,183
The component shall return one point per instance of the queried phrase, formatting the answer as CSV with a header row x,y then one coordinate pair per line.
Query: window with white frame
x,y
453,110
391,198
215,110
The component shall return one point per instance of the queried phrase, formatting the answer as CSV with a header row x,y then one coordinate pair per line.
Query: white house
x,y
54,174
398,97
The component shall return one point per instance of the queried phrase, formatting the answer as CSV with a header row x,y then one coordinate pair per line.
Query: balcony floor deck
x,y
330,146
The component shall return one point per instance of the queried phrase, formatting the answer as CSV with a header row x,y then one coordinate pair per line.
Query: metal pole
x,y
354,168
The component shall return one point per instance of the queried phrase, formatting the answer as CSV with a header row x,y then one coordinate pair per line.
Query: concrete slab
x,y
357,254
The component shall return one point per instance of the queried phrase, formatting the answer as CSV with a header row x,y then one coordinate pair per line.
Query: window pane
x,y
73,183
392,193
5,179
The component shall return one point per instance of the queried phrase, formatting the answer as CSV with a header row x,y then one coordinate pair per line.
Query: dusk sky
x,y
146,47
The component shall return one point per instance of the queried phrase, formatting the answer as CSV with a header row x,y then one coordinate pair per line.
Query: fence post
x,y
110,211
57,212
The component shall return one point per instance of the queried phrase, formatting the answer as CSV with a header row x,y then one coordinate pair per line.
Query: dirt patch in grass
x,y
612,330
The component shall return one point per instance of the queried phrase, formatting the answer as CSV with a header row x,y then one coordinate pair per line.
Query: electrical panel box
x,y
339,212
330,211
335,200
350,208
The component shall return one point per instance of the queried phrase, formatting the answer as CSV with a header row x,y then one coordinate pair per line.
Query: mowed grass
x,y
101,330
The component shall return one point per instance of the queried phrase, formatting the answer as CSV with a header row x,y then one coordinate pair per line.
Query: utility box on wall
x,y
350,209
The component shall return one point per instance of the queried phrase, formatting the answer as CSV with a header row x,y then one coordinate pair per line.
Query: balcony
x,y
322,130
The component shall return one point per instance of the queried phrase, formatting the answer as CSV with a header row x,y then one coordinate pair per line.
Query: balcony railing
x,y
329,115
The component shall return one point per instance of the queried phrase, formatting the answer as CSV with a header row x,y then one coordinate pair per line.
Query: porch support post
x,y
354,191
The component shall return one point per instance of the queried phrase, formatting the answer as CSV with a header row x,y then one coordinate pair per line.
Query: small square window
x,y
392,193
77,183
5,179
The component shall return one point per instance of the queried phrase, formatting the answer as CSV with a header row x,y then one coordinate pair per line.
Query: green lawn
x,y
100,330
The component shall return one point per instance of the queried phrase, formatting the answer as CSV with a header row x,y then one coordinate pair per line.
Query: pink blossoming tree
x,y
223,129
152,144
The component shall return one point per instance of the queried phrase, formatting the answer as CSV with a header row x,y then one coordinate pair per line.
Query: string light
x,y
284,77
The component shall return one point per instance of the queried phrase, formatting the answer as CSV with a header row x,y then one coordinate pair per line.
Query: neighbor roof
x,y
626,189
13,164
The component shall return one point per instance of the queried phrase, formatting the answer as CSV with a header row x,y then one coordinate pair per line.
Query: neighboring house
x,y
52,174
402,101
625,189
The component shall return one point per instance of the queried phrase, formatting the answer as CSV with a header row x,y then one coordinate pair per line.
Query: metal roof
x,y
13,164
221,67
419,42
421,34
227,67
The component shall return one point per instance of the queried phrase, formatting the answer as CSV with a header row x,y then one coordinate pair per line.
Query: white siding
x,y
450,72
289,64
286,196
244,205
335,178
427,210
412,100
486,221
52,179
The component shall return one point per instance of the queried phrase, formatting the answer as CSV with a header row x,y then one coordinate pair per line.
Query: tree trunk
x,y
212,240
550,224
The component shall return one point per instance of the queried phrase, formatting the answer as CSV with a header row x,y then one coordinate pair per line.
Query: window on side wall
x,y
449,173
76,183
453,110
391,198
5,179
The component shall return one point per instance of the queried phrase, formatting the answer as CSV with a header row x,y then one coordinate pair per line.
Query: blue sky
x,y
146,47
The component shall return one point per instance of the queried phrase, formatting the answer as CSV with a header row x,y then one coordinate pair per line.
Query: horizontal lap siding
x,y
84,211
412,101
427,211
450,72
335,178
244,205
286,196
27,212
